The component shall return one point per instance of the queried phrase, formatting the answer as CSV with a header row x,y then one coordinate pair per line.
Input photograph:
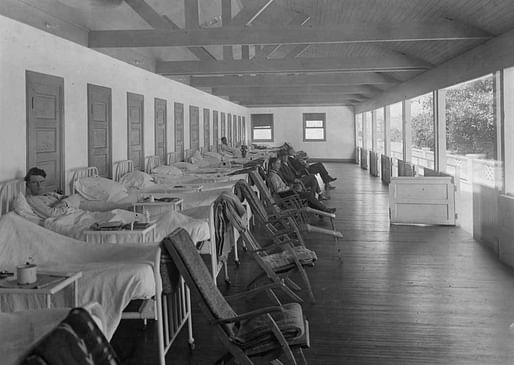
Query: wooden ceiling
x,y
276,52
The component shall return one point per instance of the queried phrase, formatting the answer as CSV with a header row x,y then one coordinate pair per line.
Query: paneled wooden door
x,y
45,127
161,129
99,119
206,129
194,128
229,129
135,123
215,128
223,132
179,130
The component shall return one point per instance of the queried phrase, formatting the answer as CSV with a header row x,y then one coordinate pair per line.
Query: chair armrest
x,y
318,212
252,292
252,314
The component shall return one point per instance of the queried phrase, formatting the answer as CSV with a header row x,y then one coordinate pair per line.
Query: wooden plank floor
x,y
402,295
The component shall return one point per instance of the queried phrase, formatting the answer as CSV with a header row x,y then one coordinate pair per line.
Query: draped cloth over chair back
x,y
266,332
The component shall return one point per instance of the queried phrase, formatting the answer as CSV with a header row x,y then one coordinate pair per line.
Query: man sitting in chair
x,y
290,176
301,167
278,186
47,204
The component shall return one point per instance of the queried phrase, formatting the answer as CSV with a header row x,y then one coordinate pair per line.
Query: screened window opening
x,y
314,127
262,127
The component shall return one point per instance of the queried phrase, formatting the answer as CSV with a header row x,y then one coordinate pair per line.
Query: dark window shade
x,y
262,120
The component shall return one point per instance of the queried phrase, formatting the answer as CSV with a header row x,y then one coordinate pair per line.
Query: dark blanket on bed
x,y
76,340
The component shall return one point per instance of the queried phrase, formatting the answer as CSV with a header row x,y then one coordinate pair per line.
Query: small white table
x,y
48,287
158,207
145,235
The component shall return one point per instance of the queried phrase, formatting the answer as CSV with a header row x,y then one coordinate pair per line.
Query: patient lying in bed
x,y
62,214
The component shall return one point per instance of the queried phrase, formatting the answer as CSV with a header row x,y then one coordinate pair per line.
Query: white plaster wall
x,y
26,48
288,127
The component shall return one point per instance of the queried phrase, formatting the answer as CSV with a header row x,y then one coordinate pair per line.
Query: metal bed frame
x,y
171,312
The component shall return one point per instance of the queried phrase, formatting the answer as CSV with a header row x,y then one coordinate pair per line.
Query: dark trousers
x,y
308,196
310,182
318,168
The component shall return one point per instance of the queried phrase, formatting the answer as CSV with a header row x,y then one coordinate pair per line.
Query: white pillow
x,y
137,180
100,188
167,170
23,209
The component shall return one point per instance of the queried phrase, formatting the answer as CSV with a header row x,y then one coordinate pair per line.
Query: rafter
x,y
299,19
226,18
356,64
250,12
157,21
344,33
291,90
350,102
297,99
363,78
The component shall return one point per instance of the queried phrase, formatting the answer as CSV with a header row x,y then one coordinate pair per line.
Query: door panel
x,y
161,139
45,127
244,132
234,131
229,129
135,123
179,130
99,129
239,130
215,133
194,128
223,132
206,129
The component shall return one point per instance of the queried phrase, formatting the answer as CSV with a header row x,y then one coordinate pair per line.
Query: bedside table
x,y
157,207
47,284
145,235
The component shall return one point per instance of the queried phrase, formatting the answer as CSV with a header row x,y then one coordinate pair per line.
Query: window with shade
x,y
262,127
314,127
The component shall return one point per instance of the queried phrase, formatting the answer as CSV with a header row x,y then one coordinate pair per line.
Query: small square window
x,y
262,127
314,127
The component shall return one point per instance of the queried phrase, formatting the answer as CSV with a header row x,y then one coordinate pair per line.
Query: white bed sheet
x,y
74,224
112,275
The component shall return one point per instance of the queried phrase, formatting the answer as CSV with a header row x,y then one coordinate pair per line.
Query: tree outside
x,y
471,119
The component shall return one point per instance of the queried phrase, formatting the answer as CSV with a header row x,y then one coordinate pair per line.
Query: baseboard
x,y
345,160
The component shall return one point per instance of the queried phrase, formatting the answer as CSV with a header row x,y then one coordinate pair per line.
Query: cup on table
x,y
26,274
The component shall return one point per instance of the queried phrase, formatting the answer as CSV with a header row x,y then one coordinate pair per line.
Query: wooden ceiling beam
x,y
191,16
290,90
355,64
350,102
155,20
362,78
250,12
343,33
298,19
295,99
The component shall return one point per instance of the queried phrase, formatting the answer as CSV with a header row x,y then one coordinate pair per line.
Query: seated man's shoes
x,y
329,187
323,197
330,179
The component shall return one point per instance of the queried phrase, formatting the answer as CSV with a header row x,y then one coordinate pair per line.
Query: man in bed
x,y
225,149
47,204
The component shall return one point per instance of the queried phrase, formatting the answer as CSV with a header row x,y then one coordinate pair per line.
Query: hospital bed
x,y
137,267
